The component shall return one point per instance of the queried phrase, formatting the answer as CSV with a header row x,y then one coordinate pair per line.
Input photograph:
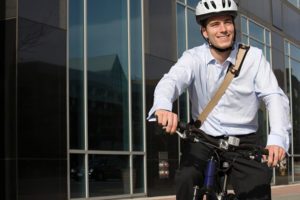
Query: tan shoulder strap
x,y
232,72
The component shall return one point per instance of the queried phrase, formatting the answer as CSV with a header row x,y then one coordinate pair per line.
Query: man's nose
x,y
222,27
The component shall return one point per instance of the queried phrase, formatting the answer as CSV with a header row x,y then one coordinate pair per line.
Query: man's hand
x,y
276,154
167,119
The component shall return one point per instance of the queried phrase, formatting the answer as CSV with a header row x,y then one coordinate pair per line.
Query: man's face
x,y
219,31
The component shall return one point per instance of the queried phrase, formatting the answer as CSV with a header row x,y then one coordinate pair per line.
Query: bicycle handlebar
x,y
193,134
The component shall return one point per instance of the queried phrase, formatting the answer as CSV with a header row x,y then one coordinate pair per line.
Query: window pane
x,y
296,104
77,176
76,67
256,31
107,75
245,39
257,44
136,75
267,38
194,36
108,175
244,25
138,174
193,3
181,36
295,52
268,54
297,168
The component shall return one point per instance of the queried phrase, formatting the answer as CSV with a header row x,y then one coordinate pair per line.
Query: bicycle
x,y
217,168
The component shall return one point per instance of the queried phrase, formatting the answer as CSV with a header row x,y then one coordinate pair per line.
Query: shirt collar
x,y
210,59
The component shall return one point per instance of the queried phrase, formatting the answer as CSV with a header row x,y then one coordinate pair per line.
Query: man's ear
x,y
204,33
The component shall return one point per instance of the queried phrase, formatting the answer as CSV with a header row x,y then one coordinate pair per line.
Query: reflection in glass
x,y
194,34
76,70
108,175
256,31
107,74
136,75
295,67
77,176
138,174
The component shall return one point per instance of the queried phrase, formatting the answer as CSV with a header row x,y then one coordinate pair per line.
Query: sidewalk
x,y
284,192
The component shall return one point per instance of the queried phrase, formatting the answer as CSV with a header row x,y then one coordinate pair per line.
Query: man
x,y
201,71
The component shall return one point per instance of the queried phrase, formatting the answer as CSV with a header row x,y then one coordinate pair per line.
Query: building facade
x,y
77,81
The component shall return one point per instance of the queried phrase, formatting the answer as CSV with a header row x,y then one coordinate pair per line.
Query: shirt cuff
x,y
162,104
279,140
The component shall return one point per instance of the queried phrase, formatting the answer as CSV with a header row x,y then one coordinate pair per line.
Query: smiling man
x,y
201,70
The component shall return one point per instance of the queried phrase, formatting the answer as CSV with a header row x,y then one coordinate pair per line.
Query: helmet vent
x,y
206,5
229,3
213,4
223,3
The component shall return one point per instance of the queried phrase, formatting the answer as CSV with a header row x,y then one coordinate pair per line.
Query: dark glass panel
x,y
8,133
76,74
297,168
278,67
107,75
138,175
77,176
50,12
295,67
160,29
41,90
42,179
136,75
156,140
108,175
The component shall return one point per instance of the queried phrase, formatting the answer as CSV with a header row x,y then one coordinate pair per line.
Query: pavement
x,y
282,192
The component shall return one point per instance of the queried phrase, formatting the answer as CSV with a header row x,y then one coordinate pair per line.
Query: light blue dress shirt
x,y
236,112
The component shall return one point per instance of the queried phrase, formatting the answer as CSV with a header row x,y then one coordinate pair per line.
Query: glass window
x,y
194,35
107,75
297,168
256,31
193,3
136,75
76,75
108,175
295,52
77,176
244,25
138,174
256,35
181,33
296,3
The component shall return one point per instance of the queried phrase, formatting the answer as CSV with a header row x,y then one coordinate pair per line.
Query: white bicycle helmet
x,y
208,8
